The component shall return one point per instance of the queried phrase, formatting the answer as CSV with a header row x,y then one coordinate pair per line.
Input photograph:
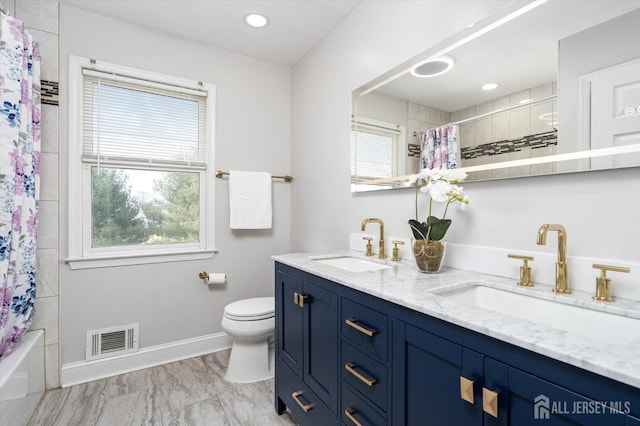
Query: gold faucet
x,y
382,253
562,273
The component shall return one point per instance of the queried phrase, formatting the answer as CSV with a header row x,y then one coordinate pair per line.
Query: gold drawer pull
x,y
466,389
305,408
490,402
350,367
349,413
296,296
351,323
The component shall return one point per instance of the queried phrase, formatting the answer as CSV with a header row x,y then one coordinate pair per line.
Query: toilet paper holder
x,y
215,278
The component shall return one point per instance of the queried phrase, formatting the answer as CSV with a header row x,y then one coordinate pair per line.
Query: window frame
x,y
397,132
81,254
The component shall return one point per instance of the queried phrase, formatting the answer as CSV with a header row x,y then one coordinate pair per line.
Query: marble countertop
x,y
404,285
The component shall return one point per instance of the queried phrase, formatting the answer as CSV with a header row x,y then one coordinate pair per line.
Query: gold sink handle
x,y
369,246
396,250
525,269
603,284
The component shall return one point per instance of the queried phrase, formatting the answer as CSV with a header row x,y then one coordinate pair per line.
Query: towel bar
x,y
220,174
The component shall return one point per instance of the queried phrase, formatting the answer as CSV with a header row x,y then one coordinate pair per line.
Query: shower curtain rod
x,y
220,174
486,114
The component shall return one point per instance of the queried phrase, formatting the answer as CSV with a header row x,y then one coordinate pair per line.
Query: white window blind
x,y
129,121
373,152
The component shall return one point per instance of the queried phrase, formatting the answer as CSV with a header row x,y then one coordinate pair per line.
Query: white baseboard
x,y
85,371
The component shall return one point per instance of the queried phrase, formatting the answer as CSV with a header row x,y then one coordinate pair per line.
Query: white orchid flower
x,y
439,190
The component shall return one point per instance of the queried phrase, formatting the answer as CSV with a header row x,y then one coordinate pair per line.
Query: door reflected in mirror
x,y
565,81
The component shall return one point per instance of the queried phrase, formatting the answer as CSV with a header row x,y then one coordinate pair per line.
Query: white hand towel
x,y
250,200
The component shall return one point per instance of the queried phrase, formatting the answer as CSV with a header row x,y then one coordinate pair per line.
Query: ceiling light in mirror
x,y
256,20
489,86
433,67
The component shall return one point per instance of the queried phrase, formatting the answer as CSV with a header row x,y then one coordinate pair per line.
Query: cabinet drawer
x,y
365,374
354,406
365,327
305,405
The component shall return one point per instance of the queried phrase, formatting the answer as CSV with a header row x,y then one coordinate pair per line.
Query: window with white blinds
x,y
374,151
129,120
140,166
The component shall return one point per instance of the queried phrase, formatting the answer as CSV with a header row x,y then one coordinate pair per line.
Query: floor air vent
x,y
112,341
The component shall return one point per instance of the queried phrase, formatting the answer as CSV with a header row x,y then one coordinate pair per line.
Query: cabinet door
x,y
427,380
524,399
320,366
289,335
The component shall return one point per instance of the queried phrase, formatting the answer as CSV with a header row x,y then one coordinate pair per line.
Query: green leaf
x,y
419,229
439,227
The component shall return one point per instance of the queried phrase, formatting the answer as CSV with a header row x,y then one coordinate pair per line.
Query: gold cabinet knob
x,y
466,389
525,269
490,402
603,284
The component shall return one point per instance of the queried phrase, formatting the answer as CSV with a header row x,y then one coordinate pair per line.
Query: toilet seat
x,y
255,309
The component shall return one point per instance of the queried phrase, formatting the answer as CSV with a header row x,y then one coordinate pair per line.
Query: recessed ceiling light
x,y
489,86
433,67
256,20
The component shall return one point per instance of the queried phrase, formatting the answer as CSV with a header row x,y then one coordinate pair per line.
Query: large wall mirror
x,y
537,88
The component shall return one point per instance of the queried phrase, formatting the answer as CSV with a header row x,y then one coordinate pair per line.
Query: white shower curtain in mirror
x,y
440,148
19,178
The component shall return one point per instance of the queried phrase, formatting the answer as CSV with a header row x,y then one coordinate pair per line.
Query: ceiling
x,y
295,26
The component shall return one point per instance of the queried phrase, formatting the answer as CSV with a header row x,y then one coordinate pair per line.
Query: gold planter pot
x,y
429,255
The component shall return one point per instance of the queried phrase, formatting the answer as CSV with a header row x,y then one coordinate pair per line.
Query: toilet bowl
x,y
251,324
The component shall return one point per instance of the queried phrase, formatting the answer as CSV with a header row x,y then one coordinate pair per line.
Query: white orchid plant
x,y
442,185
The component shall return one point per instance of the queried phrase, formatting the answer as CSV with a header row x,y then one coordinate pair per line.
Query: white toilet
x,y
251,324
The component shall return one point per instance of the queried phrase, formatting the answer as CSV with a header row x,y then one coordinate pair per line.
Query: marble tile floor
x,y
188,392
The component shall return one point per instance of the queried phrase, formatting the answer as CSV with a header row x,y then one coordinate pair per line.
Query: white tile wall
x,y
49,128
38,14
46,317
511,124
47,272
49,52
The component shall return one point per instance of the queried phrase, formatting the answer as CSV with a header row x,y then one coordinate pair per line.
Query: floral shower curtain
x,y
19,178
440,148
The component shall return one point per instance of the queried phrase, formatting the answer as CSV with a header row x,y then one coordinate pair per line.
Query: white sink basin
x,y
351,264
587,322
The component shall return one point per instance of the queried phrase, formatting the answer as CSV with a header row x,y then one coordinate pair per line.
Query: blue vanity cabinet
x,y
306,347
428,374
632,421
439,382
410,368
525,399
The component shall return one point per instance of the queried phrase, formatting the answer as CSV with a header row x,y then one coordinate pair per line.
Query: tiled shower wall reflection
x,y
521,133
41,19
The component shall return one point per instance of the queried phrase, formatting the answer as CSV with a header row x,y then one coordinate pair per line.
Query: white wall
x,y
599,209
169,301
